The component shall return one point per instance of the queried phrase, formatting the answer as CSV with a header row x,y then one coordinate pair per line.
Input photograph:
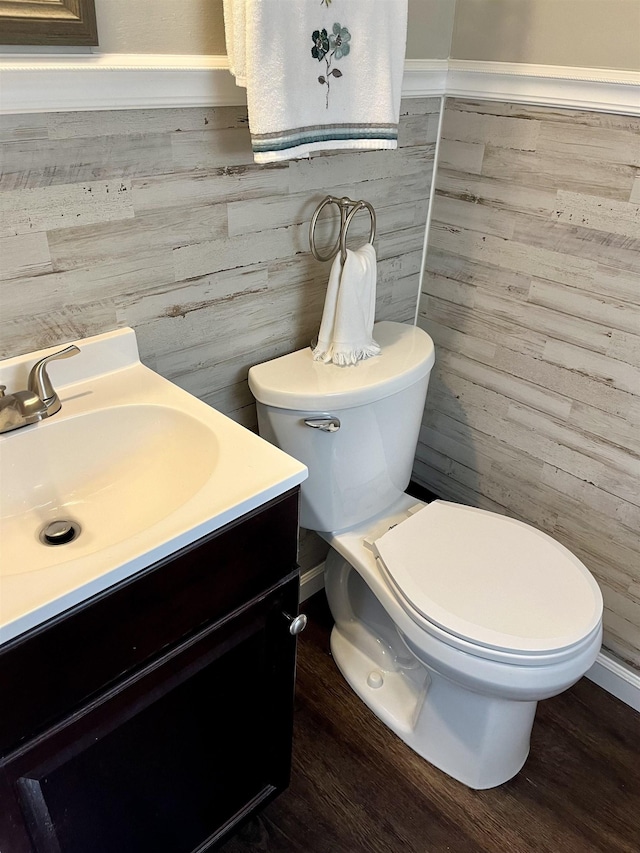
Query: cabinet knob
x,y
297,624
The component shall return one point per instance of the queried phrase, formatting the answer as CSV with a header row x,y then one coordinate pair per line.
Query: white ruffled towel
x,y
320,74
345,335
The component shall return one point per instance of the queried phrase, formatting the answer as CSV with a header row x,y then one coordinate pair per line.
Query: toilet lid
x,y
489,579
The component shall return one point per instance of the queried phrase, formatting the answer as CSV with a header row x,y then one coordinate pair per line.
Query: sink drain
x,y
59,532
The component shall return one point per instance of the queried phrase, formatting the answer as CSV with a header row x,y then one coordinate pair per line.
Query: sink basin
x,y
113,472
136,465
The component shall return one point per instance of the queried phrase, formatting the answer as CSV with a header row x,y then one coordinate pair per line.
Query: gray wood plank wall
x,y
160,220
532,296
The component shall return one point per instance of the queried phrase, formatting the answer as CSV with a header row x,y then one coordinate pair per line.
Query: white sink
x,y
138,466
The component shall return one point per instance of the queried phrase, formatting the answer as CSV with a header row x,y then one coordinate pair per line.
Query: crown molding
x,y
60,83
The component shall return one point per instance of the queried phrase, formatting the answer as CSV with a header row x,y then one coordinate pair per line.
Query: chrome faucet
x,y
38,401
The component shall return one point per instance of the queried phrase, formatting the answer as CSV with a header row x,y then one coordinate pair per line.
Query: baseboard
x,y
617,678
311,581
33,83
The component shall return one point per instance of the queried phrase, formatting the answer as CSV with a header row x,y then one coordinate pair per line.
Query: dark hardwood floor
x,y
356,787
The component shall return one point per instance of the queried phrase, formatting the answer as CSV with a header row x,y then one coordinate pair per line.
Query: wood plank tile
x,y
585,494
538,435
179,299
74,125
614,217
474,217
201,187
403,175
601,309
23,127
509,386
575,385
416,129
551,169
461,156
227,252
599,144
64,206
211,149
24,255
443,263
484,327
625,347
587,457
496,193
562,115
507,132
519,257
607,251
40,163
595,421
615,373
67,322
161,230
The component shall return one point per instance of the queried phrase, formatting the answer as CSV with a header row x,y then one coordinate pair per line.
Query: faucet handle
x,y
39,382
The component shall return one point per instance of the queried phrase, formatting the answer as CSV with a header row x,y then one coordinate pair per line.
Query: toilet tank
x,y
358,470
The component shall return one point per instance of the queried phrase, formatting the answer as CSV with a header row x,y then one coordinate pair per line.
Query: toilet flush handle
x,y
327,423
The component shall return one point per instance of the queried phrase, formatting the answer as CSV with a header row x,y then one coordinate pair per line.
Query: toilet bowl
x,y
451,622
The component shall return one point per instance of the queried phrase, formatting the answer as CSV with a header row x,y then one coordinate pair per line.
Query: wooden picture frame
x,y
48,22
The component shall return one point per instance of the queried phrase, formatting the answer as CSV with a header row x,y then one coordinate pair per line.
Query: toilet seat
x,y
489,584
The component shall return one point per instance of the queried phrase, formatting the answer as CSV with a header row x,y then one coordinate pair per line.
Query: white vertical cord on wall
x,y
432,194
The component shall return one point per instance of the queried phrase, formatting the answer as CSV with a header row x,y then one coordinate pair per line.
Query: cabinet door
x,y
172,758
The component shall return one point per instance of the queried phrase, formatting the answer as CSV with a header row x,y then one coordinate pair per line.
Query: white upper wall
x,y
196,27
583,33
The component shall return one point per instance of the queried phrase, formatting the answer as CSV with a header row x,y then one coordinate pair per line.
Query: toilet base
x,y
468,713
482,741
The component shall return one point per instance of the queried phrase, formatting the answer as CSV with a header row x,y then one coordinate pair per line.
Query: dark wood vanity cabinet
x,y
158,714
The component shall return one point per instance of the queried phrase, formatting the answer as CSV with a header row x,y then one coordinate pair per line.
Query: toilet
x,y
451,622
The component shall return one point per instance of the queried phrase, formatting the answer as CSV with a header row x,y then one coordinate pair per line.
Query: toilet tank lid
x,y
296,381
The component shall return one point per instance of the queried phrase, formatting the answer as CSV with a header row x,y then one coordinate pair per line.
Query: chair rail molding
x,y
597,89
33,83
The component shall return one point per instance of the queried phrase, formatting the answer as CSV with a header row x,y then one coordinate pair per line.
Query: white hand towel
x,y
320,76
345,335
236,38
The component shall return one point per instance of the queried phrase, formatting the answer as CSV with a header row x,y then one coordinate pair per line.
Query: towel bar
x,y
348,209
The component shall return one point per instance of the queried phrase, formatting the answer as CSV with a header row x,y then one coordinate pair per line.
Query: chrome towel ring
x,y
348,209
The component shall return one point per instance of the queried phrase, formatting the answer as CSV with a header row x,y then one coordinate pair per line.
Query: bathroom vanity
x,y
157,714
147,655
